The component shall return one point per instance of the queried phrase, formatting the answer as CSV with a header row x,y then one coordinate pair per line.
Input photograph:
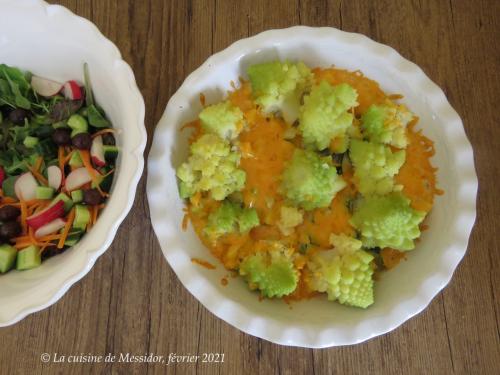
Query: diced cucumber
x,y
72,239
68,203
82,217
75,160
8,187
78,123
77,196
110,152
59,124
8,256
28,258
44,192
30,141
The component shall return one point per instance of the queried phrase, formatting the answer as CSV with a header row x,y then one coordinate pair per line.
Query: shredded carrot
x,y
38,163
84,154
22,245
95,212
60,158
67,227
38,176
32,237
24,215
203,263
185,221
10,203
103,131
68,157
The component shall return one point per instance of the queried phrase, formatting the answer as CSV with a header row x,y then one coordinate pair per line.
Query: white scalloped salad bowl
x,y
52,42
400,293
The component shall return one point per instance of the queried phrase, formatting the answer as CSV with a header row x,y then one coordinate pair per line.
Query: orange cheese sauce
x,y
265,153
417,175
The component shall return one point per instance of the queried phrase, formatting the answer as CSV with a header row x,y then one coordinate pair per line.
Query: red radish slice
x,y
25,187
50,228
55,176
77,178
45,87
46,216
97,152
2,175
72,90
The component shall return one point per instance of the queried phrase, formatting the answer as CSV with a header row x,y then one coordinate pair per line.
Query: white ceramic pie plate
x,y
52,42
399,294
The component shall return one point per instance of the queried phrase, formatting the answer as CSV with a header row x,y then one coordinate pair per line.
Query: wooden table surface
x,y
131,301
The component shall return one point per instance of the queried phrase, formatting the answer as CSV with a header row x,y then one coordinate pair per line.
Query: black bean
x,y
92,197
108,139
9,213
82,141
62,137
18,115
10,229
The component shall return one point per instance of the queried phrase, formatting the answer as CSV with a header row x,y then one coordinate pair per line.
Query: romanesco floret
x,y
375,166
222,119
279,86
272,271
290,217
230,217
344,273
211,167
310,181
387,123
324,115
387,221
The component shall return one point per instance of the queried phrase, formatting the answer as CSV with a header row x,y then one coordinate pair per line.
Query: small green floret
x,y
271,271
324,115
310,181
211,167
344,273
222,119
387,221
375,166
279,86
387,124
230,218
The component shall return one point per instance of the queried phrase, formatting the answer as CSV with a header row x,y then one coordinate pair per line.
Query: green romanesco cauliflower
x,y
211,167
387,221
272,270
387,124
290,217
279,86
324,115
344,273
222,119
375,166
230,217
310,181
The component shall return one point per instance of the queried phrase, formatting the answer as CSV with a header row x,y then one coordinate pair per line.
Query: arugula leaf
x,y
18,88
96,118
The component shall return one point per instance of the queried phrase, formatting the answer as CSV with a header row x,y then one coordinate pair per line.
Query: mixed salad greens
x,y
57,162
308,181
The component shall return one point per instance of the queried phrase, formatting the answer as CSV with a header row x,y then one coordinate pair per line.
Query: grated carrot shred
x,y
38,176
60,158
24,215
67,227
38,163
